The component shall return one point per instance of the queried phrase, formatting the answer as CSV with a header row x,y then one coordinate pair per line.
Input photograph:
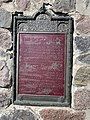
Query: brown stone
x,y
79,17
80,99
83,26
5,39
82,76
21,4
61,114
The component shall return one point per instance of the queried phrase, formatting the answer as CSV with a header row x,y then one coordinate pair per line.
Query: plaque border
x,y
35,100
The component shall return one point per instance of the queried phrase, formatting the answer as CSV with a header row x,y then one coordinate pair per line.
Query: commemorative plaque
x,y
42,58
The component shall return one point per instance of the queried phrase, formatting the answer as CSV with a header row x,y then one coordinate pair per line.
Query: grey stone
x,y
88,99
83,26
5,39
17,114
5,96
83,43
64,5
83,7
80,99
2,53
85,58
82,76
5,18
4,74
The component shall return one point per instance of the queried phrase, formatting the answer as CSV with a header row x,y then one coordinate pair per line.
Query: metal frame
x,y
17,19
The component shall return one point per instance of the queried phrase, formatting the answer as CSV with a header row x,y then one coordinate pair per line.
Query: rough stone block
x,y
18,114
85,58
5,18
83,43
64,5
5,39
88,99
19,4
83,26
82,76
61,114
5,96
80,99
4,74
83,6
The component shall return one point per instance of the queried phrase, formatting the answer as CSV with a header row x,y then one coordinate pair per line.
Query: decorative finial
x,y
43,8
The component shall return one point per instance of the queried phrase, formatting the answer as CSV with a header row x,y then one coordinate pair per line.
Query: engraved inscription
x,y
42,63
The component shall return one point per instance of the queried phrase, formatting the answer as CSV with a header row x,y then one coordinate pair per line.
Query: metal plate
x,y
41,64
42,59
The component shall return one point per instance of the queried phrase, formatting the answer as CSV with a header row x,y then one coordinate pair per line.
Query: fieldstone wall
x,y
80,108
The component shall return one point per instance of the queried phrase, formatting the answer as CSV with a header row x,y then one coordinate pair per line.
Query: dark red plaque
x,y
42,64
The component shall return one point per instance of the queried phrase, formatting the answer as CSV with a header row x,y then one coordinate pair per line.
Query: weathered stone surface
x,y
5,39
80,99
64,5
85,58
5,96
30,5
61,114
3,54
88,114
4,74
5,0
38,3
5,18
9,6
2,64
21,4
83,26
18,114
83,6
83,43
88,99
78,16
82,76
